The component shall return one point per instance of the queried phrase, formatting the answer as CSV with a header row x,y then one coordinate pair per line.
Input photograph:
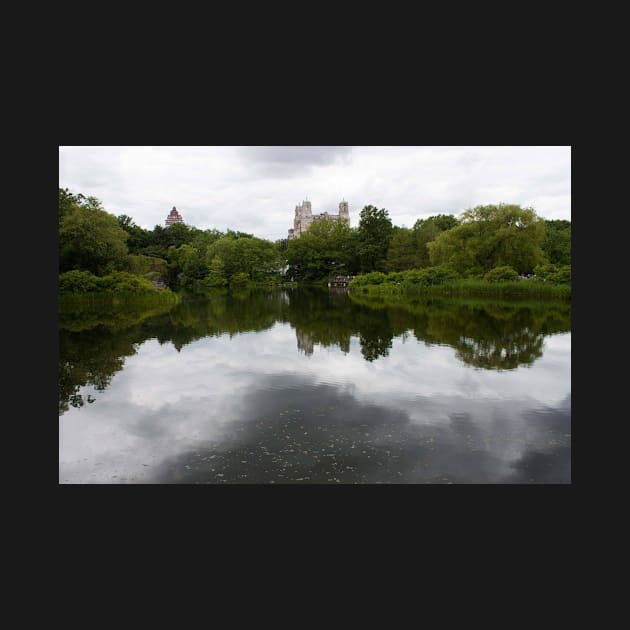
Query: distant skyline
x,y
256,189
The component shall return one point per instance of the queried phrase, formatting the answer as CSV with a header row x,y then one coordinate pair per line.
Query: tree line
x,y
97,243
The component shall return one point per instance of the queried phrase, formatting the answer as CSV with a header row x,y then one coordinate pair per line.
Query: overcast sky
x,y
256,189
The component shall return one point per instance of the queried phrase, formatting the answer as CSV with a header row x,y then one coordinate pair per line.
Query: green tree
x,y
137,237
403,250
374,234
257,258
327,248
491,236
557,243
90,239
216,275
427,230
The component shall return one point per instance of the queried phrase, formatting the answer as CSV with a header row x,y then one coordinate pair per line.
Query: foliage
x,y
84,282
430,276
124,282
239,279
557,243
444,280
501,274
374,235
426,231
148,267
492,236
137,237
76,281
438,249
562,276
327,248
216,275
554,273
403,250
256,258
90,239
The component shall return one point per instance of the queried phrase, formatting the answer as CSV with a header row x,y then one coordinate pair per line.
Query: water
x,y
310,386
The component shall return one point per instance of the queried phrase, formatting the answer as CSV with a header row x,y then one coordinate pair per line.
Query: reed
x,y
519,289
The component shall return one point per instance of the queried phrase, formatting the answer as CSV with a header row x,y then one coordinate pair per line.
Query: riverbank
x,y
390,284
79,289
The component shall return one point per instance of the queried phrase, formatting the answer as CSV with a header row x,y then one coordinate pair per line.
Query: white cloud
x,y
255,189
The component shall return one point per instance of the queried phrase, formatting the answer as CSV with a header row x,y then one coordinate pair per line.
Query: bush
x,y
79,282
439,275
375,277
145,265
239,279
501,274
415,276
430,276
395,278
124,282
561,276
541,271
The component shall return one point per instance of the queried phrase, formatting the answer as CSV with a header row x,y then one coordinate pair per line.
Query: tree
x,y
427,230
403,250
216,275
67,201
137,237
257,258
327,248
557,243
491,236
90,239
374,234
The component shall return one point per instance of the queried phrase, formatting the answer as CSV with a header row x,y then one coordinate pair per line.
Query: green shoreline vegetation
x,y
444,282
499,250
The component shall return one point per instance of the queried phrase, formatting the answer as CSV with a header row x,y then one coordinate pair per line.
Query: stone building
x,y
173,217
304,217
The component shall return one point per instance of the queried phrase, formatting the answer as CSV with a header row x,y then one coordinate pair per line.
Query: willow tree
x,y
492,236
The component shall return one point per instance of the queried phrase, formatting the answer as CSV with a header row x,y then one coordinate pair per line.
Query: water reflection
x,y
299,432
485,334
315,387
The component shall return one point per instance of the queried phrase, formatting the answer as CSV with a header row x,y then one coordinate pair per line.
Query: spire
x,y
174,217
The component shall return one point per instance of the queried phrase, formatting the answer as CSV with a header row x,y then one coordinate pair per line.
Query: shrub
x,y
144,265
395,278
561,276
440,275
375,277
542,271
239,279
79,282
501,274
122,281
415,276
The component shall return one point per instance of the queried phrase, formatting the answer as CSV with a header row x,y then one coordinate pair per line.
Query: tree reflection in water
x,y
485,334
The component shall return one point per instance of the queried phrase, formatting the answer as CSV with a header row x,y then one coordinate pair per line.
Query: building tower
x,y
173,217
344,213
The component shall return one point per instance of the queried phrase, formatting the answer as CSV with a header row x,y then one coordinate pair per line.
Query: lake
x,y
310,386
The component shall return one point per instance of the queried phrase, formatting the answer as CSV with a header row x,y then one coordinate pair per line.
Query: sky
x,y
255,189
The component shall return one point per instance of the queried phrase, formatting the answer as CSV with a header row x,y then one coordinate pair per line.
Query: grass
x,y
473,287
73,301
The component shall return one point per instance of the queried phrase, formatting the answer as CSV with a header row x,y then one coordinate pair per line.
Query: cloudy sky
x,y
256,189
